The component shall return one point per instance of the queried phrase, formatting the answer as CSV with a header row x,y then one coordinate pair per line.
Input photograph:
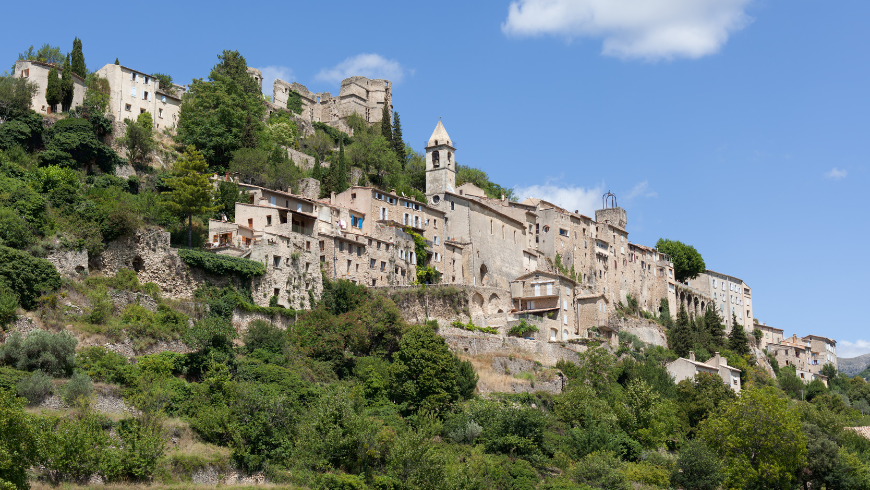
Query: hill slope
x,y
853,365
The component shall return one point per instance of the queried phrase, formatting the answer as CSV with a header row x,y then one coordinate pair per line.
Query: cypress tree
x,y
78,59
713,324
681,339
386,127
317,171
53,92
339,171
737,341
116,61
66,85
398,143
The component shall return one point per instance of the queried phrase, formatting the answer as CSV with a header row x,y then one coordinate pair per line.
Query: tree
x,y
681,338
386,124
18,448
226,196
53,89
688,263
697,467
138,139
424,372
49,54
759,437
317,171
398,143
223,114
66,85
338,171
294,102
116,61
737,341
700,397
191,189
714,326
15,96
164,79
27,276
78,59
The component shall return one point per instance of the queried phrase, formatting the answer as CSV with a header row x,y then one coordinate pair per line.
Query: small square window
x,y
128,107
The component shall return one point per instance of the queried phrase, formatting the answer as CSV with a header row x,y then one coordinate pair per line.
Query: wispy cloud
x,y
836,174
644,29
852,349
272,72
370,65
641,190
569,197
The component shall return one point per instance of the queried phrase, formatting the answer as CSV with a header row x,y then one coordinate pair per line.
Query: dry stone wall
x,y
69,263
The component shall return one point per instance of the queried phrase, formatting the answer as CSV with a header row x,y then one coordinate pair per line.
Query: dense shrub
x,y
27,276
18,445
263,335
101,364
74,449
600,470
53,353
35,388
222,265
142,445
697,468
78,388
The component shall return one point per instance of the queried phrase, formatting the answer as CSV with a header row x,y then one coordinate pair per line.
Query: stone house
x,y
132,92
37,72
769,335
684,368
732,296
548,299
798,353
825,347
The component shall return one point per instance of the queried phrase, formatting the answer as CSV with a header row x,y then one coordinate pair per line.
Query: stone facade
x,y
359,95
37,72
69,263
132,92
825,348
730,294
684,368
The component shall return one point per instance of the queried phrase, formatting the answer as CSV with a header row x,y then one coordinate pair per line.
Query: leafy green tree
x,y
164,79
681,338
78,59
648,418
191,189
386,124
688,263
67,86
398,143
282,130
700,397
223,114
317,171
226,196
138,139
50,54
15,232
294,102
8,306
759,437
737,341
27,276
53,89
73,143
15,96
52,353
117,62
424,372
18,448
697,467
714,326
338,171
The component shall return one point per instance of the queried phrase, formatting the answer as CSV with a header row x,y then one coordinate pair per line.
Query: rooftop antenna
x,y
608,200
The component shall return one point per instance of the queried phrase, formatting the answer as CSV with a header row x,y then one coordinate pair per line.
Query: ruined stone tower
x,y
440,162
610,213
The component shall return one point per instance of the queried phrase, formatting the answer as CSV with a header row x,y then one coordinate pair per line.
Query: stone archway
x,y
484,275
477,303
138,264
492,303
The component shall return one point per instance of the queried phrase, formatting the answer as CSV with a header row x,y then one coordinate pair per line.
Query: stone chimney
x,y
691,355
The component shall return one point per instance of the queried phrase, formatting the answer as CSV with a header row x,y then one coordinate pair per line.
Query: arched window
x,y
436,159
449,158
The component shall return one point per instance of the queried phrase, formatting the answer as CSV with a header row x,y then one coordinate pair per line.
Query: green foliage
x,y
697,468
424,373
78,387
282,129
737,341
266,166
53,353
142,445
398,143
336,135
481,179
342,296
191,189
294,102
522,329
17,442
701,397
15,96
67,86
759,437
222,265
223,114
101,364
226,196
78,59
471,327
600,470
35,388
53,88
73,143
73,449
164,79
139,139
688,263
263,335
8,306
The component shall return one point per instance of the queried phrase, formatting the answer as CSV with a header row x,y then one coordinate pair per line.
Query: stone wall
x,y
478,343
69,263
309,188
646,330
301,160
242,320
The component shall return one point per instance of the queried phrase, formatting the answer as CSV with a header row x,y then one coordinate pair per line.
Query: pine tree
x,y
53,90
386,125
317,171
737,341
78,59
191,189
398,143
67,86
116,61
680,337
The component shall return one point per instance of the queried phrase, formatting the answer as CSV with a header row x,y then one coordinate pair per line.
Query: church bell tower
x,y
440,162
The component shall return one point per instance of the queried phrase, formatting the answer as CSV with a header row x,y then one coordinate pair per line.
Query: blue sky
x,y
738,126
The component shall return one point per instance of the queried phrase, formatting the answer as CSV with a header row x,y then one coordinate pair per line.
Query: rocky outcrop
x,y
69,263
646,330
477,344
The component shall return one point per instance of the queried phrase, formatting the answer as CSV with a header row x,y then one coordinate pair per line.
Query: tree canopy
x,y
688,263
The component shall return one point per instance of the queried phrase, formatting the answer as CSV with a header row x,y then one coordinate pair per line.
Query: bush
x,y
600,470
142,445
697,468
17,442
35,388
53,353
78,387
522,328
263,335
74,449
27,276
101,364
339,481
8,306
222,265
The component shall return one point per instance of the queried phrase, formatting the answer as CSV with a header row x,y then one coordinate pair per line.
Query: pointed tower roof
x,y
440,136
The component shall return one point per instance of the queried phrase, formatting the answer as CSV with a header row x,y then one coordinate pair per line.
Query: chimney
x,y
331,197
576,211
691,355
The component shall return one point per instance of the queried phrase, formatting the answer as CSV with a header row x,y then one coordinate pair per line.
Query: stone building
x,y
684,368
799,353
132,92
730,294
359,95
549,299
825,347
769,335
37,72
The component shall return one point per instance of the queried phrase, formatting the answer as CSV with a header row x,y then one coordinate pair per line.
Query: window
x,y
25,73
370,242
268,221
341,246
537,289
356,222
145,95
436,240
147,80
276,261
133,77
452,205
160,113
162,98
133,91
565,304
308,246
141,111
321,245
128,107
563,232
549,289
383,266
323,259
348,266
372,263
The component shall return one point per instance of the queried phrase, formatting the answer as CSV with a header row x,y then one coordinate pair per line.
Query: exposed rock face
x,y
477,343
69,263
550,381
646,330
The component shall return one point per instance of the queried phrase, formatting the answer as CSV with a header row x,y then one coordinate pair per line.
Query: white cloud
x,y
641,190
852,349
571,198
646,29
836,174
270,73
369,65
